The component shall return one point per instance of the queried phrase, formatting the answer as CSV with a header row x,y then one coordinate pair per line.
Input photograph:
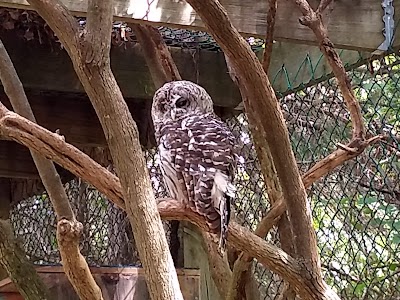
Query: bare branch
x,y
158,58
269,36
358,143
84,285
51,145
313,20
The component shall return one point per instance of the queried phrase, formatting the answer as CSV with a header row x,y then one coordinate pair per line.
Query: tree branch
x,y
268,169
269,36
158,58
91,62
52,146
85,286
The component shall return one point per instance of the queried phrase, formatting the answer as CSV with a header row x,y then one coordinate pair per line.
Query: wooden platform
x,y
115,283
352,24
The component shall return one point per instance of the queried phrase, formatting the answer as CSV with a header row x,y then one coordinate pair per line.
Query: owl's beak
x,y
173,114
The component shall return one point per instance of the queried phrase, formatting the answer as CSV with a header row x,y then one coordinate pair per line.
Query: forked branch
x,y
313,20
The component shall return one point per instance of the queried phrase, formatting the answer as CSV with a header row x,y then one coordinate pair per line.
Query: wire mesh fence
x,y
355,207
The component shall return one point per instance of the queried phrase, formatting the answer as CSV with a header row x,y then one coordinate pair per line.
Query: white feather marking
x,y
222,187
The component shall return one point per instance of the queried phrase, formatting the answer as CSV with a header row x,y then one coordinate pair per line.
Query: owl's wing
x,y
198,163
210,161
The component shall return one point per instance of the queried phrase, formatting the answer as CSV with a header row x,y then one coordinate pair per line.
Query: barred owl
x,y
197,152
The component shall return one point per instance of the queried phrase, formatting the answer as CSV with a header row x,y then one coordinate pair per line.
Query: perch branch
x,y
313,20
269,37
77,270
90,55
53,147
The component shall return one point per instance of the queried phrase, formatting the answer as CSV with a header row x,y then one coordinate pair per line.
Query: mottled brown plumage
x,y
197,152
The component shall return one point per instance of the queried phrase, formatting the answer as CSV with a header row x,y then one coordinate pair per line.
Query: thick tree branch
x,y
272,183
269,37
91,62
261,101
85,286
52,146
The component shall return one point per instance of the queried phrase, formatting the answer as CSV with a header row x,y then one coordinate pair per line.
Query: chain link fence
x,y
355,207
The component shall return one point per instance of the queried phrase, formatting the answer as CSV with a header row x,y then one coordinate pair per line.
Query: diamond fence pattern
x,y
355,208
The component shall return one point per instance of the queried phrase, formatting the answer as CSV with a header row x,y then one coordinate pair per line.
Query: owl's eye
x,y
181,102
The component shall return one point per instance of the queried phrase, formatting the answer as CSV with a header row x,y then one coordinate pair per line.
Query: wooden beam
x,y
16,162
76,120
351,24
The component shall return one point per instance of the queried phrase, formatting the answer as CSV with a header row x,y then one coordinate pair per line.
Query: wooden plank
x,y
352,24
128,283
75,118
16,162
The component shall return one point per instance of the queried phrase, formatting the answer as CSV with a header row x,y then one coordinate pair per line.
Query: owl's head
x,y
177,99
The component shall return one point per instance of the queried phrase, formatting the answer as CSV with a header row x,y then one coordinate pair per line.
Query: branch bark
x,y
52,146
90,55
268,169
85,286
269,36
261,101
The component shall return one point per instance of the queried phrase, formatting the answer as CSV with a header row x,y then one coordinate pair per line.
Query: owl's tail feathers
x,y
222,192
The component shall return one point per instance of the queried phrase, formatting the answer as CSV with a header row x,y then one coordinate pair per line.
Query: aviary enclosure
x,y
355,206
